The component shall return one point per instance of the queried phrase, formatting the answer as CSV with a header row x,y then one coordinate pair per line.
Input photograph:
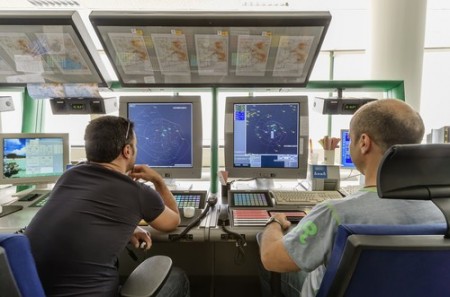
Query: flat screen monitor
x,y
212,48
346,159
168,131
50,47
33,158
266,137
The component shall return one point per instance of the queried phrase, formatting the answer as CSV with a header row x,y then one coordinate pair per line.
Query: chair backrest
x,y
417,172
148,278
20,266
379,260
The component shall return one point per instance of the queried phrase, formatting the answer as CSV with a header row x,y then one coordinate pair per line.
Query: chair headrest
x,y
415,171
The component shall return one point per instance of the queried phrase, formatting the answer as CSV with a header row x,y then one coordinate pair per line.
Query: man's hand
x,y
274,255
281,217
141,239
146,173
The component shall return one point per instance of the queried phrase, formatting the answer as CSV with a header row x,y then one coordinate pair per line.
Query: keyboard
x,y
187,200
190,198
41,201
249,199
303,197
292,216
29,197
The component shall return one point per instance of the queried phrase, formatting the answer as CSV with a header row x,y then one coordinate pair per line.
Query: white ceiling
x,y
205,5
183,5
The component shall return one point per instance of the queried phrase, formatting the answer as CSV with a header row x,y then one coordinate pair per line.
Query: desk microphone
x,y
212,200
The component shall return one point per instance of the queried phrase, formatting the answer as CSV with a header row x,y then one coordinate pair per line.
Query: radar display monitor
x,y
33,158
346,159
168,131
266,137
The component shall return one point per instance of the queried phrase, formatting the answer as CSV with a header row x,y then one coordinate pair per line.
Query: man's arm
x,y
274,256
163,190
169,219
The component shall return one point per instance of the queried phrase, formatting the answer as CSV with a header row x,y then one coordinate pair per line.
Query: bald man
x,y
302,254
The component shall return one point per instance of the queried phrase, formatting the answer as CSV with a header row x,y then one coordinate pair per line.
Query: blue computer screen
x,y
346,160
164,133
266,135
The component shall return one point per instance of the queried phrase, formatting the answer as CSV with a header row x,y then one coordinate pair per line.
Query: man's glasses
x,y
128,131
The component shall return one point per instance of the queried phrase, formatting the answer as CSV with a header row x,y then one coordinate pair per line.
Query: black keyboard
x,y
250,199
292,216
41,201
29,197
190,198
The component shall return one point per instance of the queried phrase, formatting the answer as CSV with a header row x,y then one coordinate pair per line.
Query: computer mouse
x,y
188,212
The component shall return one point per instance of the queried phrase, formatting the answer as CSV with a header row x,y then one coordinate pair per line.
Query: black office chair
x,y
407,260
19,276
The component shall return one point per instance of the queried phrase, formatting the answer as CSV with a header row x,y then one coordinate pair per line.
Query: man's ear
x,y
127,151
365,143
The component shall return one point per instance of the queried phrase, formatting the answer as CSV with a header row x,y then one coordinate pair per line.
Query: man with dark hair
x,y
303,253
93,212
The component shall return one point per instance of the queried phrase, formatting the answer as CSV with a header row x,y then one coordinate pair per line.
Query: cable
x,y
223,221
209,203
239,257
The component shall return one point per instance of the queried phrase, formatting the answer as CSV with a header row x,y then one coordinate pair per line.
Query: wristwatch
x,y
274,220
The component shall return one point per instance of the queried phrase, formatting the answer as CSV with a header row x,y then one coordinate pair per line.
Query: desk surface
x,y
207,231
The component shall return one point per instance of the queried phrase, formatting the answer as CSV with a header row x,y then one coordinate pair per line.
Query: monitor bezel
x,y
36,180
197,133
345,165
274,173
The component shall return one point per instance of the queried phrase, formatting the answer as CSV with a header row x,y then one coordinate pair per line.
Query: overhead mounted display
x,y
212,49
44,48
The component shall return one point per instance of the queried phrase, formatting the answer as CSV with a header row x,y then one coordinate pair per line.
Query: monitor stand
x,y
35,188
264,183
174,186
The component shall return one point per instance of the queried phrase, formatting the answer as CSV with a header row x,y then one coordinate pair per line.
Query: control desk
x,y
222,249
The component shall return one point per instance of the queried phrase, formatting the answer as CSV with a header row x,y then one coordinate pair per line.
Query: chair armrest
x,y
148,277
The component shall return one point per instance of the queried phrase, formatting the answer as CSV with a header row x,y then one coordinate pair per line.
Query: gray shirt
x,y
309,244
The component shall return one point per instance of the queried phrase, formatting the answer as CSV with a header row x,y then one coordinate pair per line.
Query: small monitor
x,y
33,158
346,159
266,137
168,131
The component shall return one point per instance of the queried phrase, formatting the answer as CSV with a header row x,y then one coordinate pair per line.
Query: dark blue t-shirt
x,y
77,236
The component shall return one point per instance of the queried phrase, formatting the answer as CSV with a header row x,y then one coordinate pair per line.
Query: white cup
x,y
188,211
